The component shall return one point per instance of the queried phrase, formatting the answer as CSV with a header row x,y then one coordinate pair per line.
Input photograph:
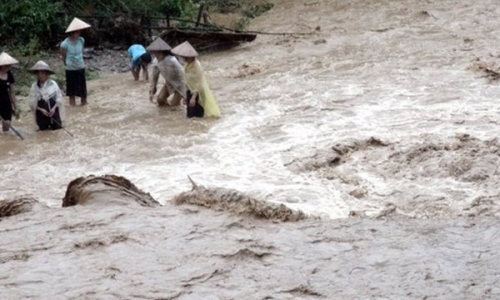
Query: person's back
x,y
135,51
139,59
173,72
175,61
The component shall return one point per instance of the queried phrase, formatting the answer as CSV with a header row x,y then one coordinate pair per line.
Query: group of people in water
x,y
186,84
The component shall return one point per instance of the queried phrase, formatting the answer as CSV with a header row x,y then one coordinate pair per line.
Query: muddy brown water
x,y
394,70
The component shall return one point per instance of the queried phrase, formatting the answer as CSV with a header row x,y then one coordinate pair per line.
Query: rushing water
x,y
296,131
396,70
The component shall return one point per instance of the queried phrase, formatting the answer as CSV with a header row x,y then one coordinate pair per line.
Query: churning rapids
x,y
379,120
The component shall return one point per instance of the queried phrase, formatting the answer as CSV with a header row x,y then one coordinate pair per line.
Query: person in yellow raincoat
x,y
199,98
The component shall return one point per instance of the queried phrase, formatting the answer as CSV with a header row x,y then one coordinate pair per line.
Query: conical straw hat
x,y
159,45
185,50
41,66
6,59
77,24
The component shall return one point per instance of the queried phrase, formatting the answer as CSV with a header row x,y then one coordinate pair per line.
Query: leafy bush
x,y
241,23
253,11
24,23
23,20
144,7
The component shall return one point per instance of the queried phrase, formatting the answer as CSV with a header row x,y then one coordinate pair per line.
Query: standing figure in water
x,y
45,100
72,54
139,59
199,98
8,101
171,70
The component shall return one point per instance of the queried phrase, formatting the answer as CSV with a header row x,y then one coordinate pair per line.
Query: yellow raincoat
x,y
196,82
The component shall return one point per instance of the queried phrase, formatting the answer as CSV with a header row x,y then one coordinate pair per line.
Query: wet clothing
x,y
74,53
47,95
76,83
165,93
44,122
171,70
135,52
195,111
196,82
5,101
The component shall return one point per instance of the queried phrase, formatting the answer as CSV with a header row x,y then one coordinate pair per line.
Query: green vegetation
x,y
29,28
24,23
21,21
24,79
248,9
255,10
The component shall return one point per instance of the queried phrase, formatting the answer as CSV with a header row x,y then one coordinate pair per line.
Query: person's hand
x,y
46,113
151,94
52,111
192,102
16,113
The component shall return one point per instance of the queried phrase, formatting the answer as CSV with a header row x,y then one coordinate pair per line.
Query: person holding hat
x,y
139,59
171,70
72,54
199,98
8,101
45,99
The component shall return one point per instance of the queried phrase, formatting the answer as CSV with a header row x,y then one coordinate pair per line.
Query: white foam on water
x,y
407,84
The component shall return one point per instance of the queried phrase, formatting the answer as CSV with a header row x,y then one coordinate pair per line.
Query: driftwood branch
x,y
200,12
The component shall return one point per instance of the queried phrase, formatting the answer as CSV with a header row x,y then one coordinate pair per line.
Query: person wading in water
x,y
72,54
46,100
171,70
8,101
199,98
139,59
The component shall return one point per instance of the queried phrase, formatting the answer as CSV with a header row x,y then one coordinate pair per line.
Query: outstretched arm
x,y
59,100
33,99
154,82
145,71
63,55
192,101
13,98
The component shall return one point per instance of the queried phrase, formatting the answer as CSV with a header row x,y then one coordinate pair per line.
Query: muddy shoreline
x,y
98,59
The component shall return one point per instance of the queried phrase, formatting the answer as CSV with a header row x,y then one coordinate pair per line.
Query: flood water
x,y
395,70
378,104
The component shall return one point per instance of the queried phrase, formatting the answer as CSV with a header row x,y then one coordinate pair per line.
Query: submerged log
x,y
235,202
92,190
18,206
